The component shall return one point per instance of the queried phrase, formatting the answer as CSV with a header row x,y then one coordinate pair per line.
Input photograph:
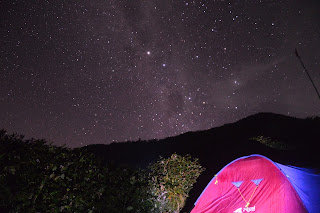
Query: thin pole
x,y
307,72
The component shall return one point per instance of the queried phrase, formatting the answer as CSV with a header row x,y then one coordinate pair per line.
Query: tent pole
x,y
296,51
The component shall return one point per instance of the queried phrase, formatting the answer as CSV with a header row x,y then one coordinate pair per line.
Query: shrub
x,y
37,177
171,180
40,177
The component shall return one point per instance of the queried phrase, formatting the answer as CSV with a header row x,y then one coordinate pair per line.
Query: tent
x,y
257,184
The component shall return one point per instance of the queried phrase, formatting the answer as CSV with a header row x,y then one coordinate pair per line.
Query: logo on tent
x,y
246,209
239,210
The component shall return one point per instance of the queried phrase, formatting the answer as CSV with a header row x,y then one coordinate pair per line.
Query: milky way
x,y
85,72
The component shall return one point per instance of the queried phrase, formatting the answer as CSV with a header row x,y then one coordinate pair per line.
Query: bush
x,y
37,177
171,180
40,177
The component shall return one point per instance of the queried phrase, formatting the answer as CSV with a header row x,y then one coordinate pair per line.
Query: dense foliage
x,y
39,177
35,176
171,180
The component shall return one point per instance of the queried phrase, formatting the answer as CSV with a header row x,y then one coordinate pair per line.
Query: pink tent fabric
x,y
250,184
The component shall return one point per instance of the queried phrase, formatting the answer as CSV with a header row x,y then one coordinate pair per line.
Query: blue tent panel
x,y
306,183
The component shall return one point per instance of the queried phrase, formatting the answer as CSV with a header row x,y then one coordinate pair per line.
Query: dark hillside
x,y
231,140
218,146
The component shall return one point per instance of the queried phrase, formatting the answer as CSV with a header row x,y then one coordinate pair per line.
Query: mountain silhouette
x,y
294,141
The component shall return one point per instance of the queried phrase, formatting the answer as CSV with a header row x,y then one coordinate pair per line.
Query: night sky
x,y
88,72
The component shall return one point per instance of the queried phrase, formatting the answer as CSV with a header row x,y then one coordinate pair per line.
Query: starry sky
x,y
101,71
